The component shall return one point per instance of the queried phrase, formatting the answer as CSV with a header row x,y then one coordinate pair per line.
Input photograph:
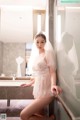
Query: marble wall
x,y
9,52
1,57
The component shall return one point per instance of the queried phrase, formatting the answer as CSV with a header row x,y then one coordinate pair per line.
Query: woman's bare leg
x,y
34,107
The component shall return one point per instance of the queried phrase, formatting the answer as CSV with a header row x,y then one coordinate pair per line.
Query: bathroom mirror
x,y
18,24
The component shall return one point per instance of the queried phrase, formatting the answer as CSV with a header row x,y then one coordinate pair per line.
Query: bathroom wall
x,y
8,54
1,57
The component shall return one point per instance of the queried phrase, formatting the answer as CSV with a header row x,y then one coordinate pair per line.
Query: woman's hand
x,y
25,85
28,84
56,90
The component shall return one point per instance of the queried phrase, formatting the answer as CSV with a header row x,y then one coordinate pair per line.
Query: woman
x,y
42,65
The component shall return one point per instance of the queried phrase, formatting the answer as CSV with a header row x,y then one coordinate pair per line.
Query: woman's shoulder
x,y
48,54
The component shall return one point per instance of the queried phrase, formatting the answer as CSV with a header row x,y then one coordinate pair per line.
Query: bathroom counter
x,y
10,89
10,83
16,78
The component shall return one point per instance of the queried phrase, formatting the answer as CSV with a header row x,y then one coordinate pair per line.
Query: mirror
x,y
19,24
68,55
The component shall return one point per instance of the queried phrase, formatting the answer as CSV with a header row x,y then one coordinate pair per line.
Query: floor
x,y
14,109
13,118
12,112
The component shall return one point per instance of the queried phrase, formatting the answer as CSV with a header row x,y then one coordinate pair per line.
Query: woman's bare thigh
x,y
36,106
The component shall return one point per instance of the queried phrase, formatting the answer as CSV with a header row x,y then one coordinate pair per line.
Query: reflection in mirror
x,y
68,55
19,61
28,52
17,33
67,61
8,54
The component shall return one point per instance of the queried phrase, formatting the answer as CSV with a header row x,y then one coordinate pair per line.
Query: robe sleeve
x,y
50,57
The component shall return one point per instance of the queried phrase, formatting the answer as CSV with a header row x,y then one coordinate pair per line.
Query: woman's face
x,y
40,43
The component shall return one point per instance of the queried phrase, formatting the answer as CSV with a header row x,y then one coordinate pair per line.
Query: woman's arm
x,y
54,88
53,76
28,84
